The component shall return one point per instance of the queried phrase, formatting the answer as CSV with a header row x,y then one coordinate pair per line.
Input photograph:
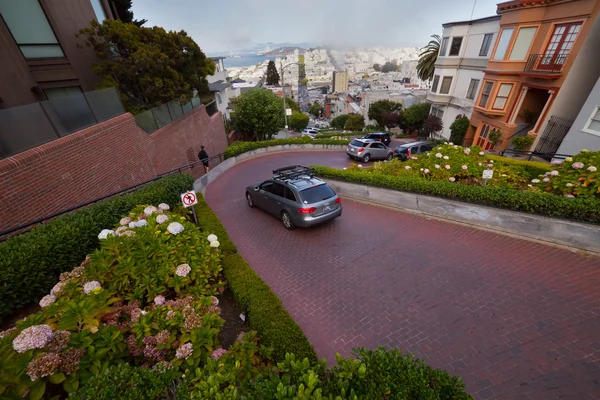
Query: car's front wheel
x,y
249,200
366,158
390,156
287,220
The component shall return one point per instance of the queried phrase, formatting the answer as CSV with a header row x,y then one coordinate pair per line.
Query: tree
x,y
428,57
299,121
377,67
259,113
380,107
149,66
340,121
124,13
315,109
414,116
289,103
495,137
392,119
389,66
272,74
458,129
355,122
303,81
432,124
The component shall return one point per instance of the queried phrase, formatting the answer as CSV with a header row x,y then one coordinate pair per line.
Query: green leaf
x,y
37,391
57,378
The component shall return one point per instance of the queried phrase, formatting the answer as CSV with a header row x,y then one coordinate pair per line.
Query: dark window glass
x,y
485,45
485,94
289,195
446,82
402,150
316,194
455,46
357,143
472,90
266,186
436,81
278,189
443,47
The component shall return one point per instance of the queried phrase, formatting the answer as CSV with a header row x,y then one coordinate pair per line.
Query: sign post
x,y
189,199
487,174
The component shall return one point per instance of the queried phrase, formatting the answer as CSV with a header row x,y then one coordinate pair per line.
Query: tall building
x,y
40,55
543,67
340,81
464,53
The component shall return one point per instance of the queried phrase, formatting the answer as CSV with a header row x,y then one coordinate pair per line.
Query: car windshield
x,y
358,143
316,193
402,150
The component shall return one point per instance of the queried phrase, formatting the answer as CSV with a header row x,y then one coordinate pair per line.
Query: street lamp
x,y
283,91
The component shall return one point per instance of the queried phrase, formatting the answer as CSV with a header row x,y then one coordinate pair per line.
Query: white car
x,y
310,132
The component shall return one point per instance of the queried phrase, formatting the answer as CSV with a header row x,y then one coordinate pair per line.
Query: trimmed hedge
x,y
238,148
585,210
266,314
30,263
533,168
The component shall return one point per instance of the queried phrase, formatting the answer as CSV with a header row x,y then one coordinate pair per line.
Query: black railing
x,y
521,153
545,63
555,131
157,117
25,227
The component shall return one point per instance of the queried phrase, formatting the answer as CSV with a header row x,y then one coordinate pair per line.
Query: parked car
x,y
404,151
311,132
369,149
382,137
295,196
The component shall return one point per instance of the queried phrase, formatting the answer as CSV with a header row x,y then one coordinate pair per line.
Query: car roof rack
x,y
293,172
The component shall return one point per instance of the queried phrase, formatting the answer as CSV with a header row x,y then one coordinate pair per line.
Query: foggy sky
x,y
226,25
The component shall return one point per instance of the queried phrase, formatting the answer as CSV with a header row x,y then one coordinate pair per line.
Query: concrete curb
x,y
551,230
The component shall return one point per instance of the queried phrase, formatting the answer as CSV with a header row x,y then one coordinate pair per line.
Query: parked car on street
x,y
366,150
404,151
311,132
295,196
382,137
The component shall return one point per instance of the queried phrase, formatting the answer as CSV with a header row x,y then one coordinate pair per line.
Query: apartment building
x,y
40,56
219,86
544,65
340,82
464,54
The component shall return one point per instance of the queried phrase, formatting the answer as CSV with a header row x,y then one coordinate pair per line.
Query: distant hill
x,y
284,51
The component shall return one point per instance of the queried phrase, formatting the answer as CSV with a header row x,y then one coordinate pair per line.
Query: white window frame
x,y
444,46
449,86
473,89
586,128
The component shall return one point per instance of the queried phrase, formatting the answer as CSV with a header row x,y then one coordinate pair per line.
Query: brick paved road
x,y
516,319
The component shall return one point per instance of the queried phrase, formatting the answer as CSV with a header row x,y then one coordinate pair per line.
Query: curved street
x,y
515,318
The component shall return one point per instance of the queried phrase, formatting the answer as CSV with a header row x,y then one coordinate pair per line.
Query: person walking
x,y
203,156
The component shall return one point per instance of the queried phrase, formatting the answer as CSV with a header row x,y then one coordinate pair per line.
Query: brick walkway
x,y
516,319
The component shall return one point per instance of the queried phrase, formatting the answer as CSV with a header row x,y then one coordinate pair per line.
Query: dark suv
x,y
382,137
404,151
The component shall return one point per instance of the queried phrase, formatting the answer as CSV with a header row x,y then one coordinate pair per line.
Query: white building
x,y
409,72
219,86
464,54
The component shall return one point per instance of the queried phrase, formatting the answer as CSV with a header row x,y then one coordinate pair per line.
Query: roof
x,y
218,86
217,58
473,21
238,80
305,183
244,84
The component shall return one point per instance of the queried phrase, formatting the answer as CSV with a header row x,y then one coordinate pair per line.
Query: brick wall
x,y
100,160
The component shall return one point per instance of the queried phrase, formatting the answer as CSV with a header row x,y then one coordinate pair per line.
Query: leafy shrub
x,y
146,298
532,168
495,137
340,121
586,210
414,116
577,176
355,122
522,143
458,129
266,314
238,148
31,262
299,121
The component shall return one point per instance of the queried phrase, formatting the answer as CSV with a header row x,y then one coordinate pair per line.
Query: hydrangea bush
x,y
145,298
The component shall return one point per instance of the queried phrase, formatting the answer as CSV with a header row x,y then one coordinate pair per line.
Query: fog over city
x,y
237,25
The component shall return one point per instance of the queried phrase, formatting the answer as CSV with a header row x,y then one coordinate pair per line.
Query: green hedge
x,y
266,314
533,168
238,148
30,263
342,134
585,210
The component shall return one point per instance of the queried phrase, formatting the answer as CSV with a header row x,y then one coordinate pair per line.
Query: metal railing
x,y
157,117
40,221
545,63
25,127
520,153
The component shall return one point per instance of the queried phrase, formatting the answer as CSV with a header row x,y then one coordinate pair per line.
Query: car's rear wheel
x,y
287,220
389,157
366,158
249,200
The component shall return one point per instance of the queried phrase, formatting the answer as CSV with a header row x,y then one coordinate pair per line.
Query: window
x,y
56,93
485,94
98,10
503,43
446,82
522,43
502,96
482,141
316,194
443,47
560,44
436,81
485,45
593,124
377,146
30,28
219,100
266,186
455,47
290,195
472,90
278,189
437,112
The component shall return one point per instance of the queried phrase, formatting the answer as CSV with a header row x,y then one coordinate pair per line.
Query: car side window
x,y
267,186
278,189
290,195
378,145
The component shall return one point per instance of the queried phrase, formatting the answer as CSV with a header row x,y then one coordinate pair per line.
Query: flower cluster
x,y
183,270
161,219
216,354
92,286
164,207
47,300
576,177
150,210
59,341
44,365
184,351
138,224
34,337
175,228
159,300
105,233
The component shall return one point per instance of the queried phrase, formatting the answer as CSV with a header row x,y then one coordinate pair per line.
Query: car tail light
x,y
360,150
408,153
306,210
338,200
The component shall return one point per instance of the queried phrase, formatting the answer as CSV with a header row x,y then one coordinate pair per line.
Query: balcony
x,y
544,66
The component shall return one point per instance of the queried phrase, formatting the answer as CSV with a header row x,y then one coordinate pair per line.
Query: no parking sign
x,y
189,199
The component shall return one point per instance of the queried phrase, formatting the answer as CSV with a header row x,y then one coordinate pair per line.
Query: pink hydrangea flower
x,y
438,155
216,354
426,170
554,173
125,221
183,270
569,196
34,337
215,301
161,219
447,166
150,210
184,351
159,300
546,180
57,288
47,300
577,165
481,153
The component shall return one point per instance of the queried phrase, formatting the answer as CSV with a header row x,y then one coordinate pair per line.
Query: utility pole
x,y
283,93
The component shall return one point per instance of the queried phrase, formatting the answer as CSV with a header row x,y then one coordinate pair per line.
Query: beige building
x,y
340,81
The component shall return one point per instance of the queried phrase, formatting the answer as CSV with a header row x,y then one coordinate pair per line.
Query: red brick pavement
x,y
516,319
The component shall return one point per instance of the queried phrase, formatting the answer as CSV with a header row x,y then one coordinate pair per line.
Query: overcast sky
x,y
226,25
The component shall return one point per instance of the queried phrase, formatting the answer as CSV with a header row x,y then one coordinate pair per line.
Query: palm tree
x,y
428,57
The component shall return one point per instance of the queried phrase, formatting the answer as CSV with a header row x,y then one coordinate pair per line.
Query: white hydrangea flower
x,y
438,155
491,161
421,169
47,300
150,210
590,168
467,151
584,150
480,164
452,179
175,228
183,270
161,219
569,185
446,158
481,153
105,232
91,286
344,168
569,159
212,238
407,167
535,181
132,225
464,168
447,166
437,166
141,222
57,288
359,165
530,185
569,196
214,243
125,221
426,171
164,206
451,144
